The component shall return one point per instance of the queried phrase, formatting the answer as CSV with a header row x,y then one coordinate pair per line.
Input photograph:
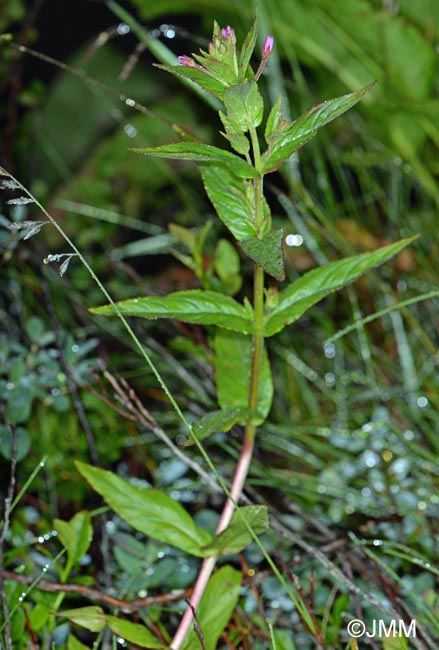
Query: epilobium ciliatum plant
x,y
261,141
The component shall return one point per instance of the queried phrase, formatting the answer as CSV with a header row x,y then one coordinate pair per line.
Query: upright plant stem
x,y
250,431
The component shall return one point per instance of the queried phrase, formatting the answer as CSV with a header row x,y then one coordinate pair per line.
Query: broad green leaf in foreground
x,y
192,306
288,138
318,283
216,607
92,618
244,105
267,252
134,633
233,360
149,511
228,196
200,152
236,536
222,420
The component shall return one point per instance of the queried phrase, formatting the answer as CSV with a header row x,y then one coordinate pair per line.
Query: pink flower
x,y
267,47
226,31
186,60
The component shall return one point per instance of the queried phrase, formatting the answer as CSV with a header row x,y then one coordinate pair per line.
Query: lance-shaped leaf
x,y
75,536
247,48
198,76
149,511
237,536
134,633
284,142
192,306
267,252
315,285
233,360
215,609
200,152
229,198
92,618
222,420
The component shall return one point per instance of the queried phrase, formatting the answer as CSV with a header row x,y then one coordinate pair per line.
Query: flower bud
x,y
267,47
186,60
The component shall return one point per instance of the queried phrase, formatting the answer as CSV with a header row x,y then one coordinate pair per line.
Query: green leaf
x,y
267,252
216,607
228,195
149,511
244,105
285,142
200,152
134,633
318,283
74,644
238,140
222,420
92,618
226,264
192,306
198,76
247,48
233,358
75,535
7,442
236,536
274,119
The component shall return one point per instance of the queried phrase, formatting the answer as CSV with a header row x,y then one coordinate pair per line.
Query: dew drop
x,y
130,130
123,29
422,402
294,240
329,350
130,102
75,348
377,542
330,379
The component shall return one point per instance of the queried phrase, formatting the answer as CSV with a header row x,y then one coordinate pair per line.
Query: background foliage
x,y
348,459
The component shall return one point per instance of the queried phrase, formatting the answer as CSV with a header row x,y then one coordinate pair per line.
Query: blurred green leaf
x,y
233,355
74,644
75,535
193,306
149,511
134,633
6,442
92,617
216,607
226,263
